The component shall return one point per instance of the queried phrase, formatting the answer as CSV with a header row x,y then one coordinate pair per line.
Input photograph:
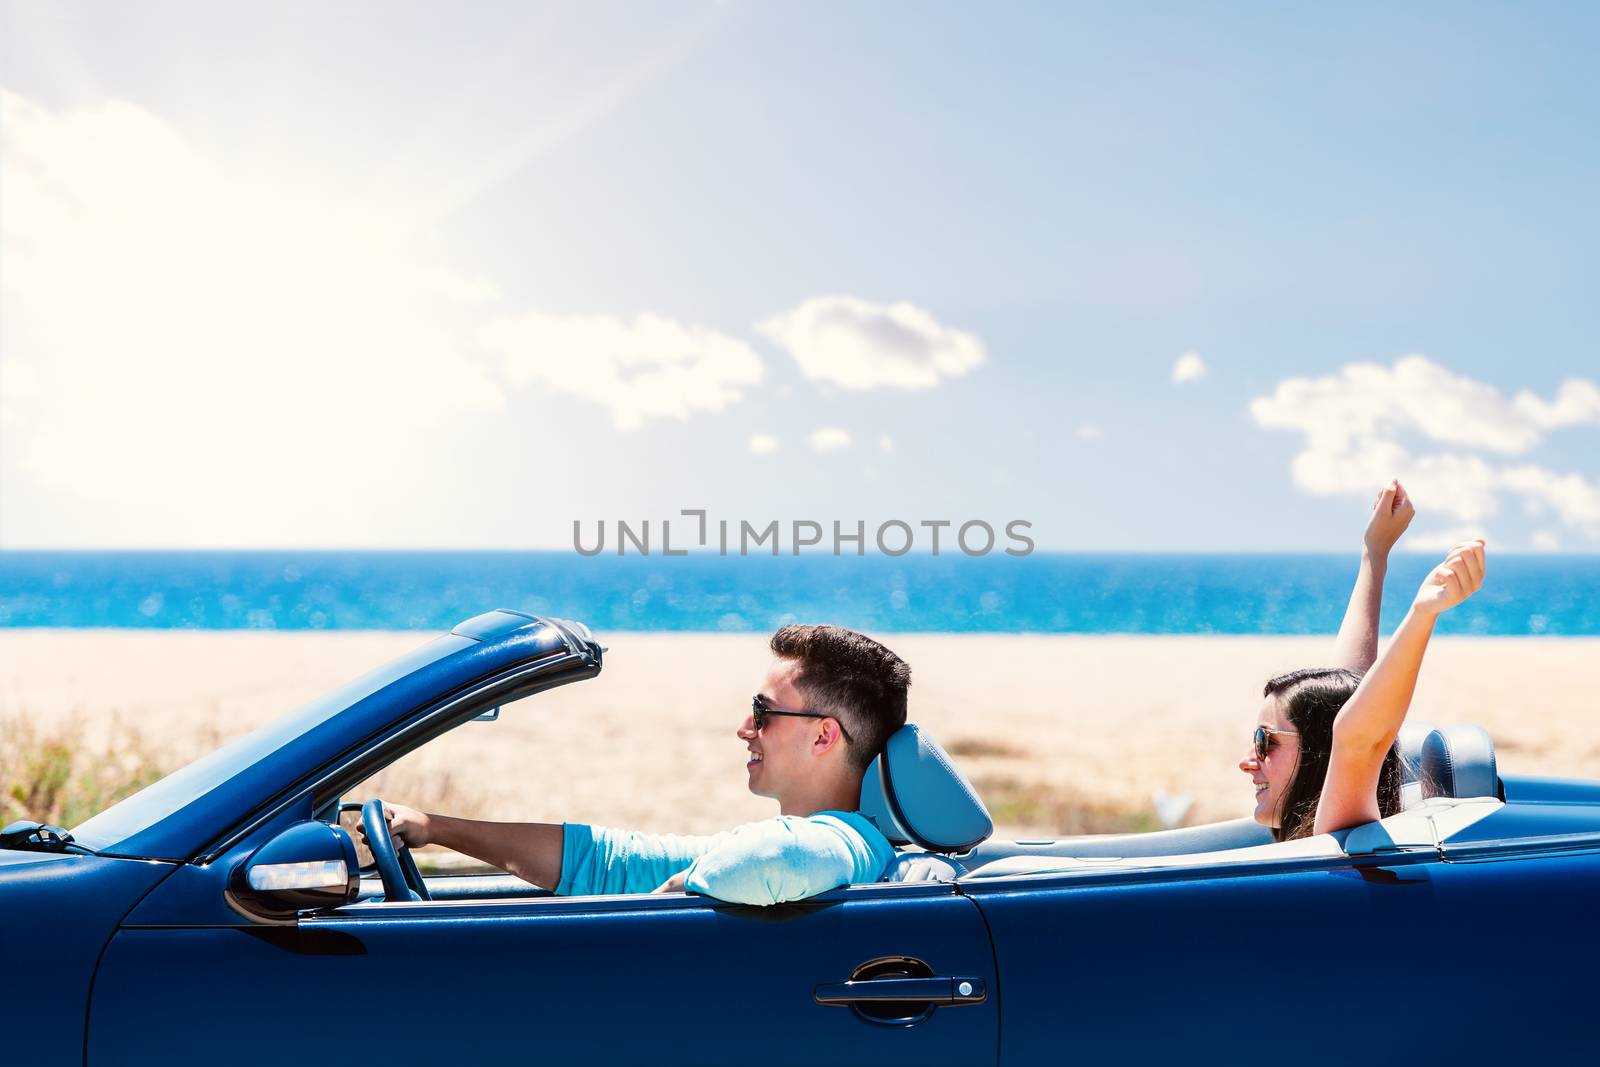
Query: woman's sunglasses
x,y
760,709
1263,739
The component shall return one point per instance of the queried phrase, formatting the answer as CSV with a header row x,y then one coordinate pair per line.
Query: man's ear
x,y
827,736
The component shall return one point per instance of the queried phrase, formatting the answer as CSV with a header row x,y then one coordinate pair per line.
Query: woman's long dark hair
x,y
1311,698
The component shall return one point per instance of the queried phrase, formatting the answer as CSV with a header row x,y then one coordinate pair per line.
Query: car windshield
x,y
188,784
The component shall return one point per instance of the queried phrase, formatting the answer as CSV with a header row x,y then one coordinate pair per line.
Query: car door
x,y
1513,947
660,979
1310,961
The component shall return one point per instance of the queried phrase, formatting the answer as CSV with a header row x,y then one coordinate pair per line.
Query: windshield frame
x,y
159,801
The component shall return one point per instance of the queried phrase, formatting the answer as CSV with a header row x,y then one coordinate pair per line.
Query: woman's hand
x,y
1451,582
1356,647
1392,512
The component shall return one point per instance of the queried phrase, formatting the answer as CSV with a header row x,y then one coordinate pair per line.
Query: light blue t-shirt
x,y
789,857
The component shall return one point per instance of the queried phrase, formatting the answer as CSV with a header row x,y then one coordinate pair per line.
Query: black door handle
x,y
952,991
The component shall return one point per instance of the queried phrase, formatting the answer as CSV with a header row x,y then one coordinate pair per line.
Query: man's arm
x,y
529,850
787,858
569,858
1356,647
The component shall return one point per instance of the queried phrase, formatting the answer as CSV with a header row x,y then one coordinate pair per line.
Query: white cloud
x,y
763,444
1355,424
201,352
1366,400
1189,367
885,443
1573,498
828,439
1577,402
855,344
649,368
1090,432
1441,538
1545,541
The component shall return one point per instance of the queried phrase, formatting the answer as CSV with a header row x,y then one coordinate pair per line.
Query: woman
x,y
1323,755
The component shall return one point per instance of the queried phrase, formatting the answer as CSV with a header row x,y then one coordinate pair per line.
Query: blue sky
x,y
375,275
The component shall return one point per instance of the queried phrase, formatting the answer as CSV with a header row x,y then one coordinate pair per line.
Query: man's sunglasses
x,y
760,709
1263,739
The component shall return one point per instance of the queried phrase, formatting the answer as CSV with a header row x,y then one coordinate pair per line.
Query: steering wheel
x,y
401,879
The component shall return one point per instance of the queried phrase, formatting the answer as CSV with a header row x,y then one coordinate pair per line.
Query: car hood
x,y
9,858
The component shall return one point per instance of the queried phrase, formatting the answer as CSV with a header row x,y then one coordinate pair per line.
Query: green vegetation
x,y
56,775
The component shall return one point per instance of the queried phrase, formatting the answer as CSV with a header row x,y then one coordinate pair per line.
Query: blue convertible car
x,y
219,916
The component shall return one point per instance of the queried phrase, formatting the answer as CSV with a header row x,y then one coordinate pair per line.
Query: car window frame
x,y
325,785
204,775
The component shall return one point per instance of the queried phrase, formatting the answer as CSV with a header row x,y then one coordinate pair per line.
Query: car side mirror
x,y
308,867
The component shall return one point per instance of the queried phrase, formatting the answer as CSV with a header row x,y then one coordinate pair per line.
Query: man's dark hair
x,y
851,677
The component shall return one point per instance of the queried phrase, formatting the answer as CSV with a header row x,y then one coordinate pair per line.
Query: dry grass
x,y
1045,810
63,773
59,776
971,747
1018,800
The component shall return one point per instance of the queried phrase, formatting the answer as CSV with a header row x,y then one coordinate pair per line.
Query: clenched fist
x,y
407,826
1392,512
1451,582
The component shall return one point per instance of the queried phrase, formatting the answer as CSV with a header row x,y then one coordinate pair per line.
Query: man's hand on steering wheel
x,y
408,826
389,834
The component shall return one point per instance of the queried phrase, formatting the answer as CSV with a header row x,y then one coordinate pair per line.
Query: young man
x,y
827,705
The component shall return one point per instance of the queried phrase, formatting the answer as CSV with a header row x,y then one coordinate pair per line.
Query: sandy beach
x,y
1060,733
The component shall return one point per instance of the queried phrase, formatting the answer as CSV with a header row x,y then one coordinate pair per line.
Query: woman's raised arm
x,y
1367,724
1356,647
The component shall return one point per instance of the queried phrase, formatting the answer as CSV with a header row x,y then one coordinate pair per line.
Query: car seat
x,y
915,795
1458,761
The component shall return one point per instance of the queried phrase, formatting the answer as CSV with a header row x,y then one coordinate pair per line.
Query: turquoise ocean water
x,y
1048,593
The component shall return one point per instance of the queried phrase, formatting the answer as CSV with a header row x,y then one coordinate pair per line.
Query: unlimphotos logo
x,y
894,537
